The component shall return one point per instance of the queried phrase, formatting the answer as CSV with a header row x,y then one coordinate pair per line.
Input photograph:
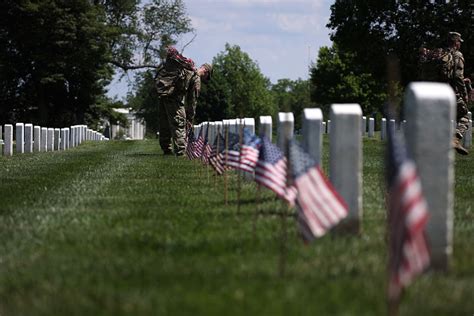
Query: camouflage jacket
x,y
458,83
192,94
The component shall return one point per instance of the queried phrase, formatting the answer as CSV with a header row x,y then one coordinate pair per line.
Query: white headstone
x,y
28,138
249,123
62,143
8,140
324,127
363,127
20,137
383,129
434,104
467,139
265,126
371,127
37,138
392,125
50,139
57,138
286,122
345,161
68,138
329,126
44,139
312,132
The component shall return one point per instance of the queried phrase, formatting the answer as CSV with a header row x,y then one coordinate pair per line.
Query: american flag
x,y
198,145
216,160
408,215
207,149
271,171
232,150
245,157
319,205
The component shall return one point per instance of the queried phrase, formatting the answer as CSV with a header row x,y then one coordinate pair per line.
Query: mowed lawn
x,y
115,228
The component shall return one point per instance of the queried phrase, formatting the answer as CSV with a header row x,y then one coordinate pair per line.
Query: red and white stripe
x,y
320,204
408,218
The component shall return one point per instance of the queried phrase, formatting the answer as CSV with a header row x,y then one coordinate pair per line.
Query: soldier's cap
x,y
208,67
455,36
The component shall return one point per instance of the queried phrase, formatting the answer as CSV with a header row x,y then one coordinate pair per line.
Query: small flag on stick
x,y
407,218
319,205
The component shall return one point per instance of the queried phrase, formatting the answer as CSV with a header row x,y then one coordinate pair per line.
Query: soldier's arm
x,y
191,98
459,83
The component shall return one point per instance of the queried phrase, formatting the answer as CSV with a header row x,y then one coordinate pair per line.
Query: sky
x,y
282,36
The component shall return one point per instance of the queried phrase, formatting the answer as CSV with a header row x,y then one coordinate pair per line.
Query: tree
x,y
293,96
372,29
57,57
334,79
237,89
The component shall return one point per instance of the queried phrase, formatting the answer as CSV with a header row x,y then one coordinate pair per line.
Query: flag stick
x,y
393,76
225,165
217,151
284,213
257,209
239,172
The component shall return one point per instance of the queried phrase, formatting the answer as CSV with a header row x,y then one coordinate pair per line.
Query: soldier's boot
x,y
459,148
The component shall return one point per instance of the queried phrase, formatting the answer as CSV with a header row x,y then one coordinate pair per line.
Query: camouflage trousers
x,y
172,124
461,118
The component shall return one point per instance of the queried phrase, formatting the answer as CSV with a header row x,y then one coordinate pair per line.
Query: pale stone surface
x,y
363,127
392,125
50,139
371,127
434,104
44,139
467,140
249,122
37,138
28,138
312,133
8,140
20,137
265,126
62,143
72,139
68,137
345,161
286,123
57,138
383,129
329,127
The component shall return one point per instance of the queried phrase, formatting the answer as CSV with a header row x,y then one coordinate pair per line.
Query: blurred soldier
x,y
178,85
459,85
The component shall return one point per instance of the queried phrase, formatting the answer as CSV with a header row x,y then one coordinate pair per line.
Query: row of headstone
x,y
427,104
210,129
31,138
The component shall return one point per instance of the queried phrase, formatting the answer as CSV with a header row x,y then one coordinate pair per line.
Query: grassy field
x,y
117,229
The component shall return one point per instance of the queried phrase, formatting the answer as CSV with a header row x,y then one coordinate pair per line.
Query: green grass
x,y
117,229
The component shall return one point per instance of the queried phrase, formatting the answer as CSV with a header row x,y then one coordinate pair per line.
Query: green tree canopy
x,y
371,29
293,96
237,89
335,79
57,57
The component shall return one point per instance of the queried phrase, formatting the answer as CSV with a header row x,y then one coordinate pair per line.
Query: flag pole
x,y
284,213
225,165
393,75
257,210
239,171
217,151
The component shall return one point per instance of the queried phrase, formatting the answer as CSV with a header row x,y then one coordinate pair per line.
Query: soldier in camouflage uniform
x,y
459,86
177,111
